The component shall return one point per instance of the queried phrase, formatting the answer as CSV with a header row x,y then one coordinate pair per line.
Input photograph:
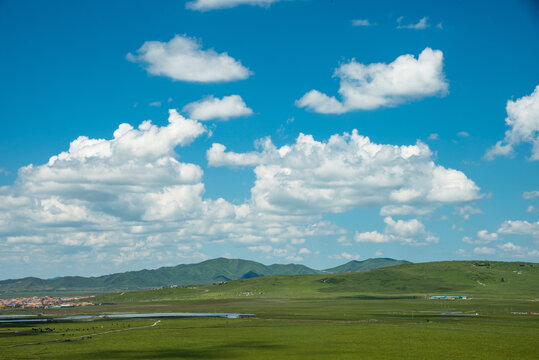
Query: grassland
x,y
381,314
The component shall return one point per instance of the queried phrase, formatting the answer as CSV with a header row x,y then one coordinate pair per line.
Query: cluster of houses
x,y
44,302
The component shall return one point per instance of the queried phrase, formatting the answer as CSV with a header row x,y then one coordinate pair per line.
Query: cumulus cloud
x,y
368,87
345,172
520,227
406,210
510,247
486,236
104,203
420,25
206,5
513,250
362,22
182,58
410,232
211,108
343,241
345,256
467,210
261,248
523,121
132,176
528,195
128,199
371,236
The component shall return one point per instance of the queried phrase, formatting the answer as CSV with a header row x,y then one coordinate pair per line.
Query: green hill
x,y
206,272
436,278
364,265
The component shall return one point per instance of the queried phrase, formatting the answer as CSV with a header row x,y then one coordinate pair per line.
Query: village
x,y
45,302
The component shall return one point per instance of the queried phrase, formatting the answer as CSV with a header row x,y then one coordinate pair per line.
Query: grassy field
x,y
383,314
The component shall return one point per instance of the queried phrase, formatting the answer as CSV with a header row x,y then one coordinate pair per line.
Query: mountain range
x,y
206,272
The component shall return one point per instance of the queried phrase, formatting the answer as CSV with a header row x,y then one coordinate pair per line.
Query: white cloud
x,y
211,108
343,240
510,247
362,22
469,240
205,5
346,256
486,236
420,25
155,103
405,210
523,120
514,250
287,253
434,136
132,176
106,203
484,250
500,149
467,210
368,87
519,227
348,171
410,232
261,248
462,252
531,209
371,236
182,58
528,195
304,251
463,134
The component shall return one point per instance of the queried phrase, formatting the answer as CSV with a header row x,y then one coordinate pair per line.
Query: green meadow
x,y
378,314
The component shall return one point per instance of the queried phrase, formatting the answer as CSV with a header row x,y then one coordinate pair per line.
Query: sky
x,y
142,134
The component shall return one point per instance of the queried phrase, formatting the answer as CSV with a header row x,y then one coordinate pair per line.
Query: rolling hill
x,y
369,264
408,280
206,272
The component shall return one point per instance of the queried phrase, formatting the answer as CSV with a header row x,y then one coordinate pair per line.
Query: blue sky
x,y
304,131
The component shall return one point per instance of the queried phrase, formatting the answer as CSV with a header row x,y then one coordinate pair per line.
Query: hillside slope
x,y
436,278
364,265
